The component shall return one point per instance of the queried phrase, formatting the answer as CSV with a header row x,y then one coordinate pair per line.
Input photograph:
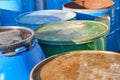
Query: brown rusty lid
x,y
95,4
79,65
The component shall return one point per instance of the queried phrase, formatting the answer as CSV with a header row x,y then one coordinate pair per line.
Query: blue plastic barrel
x,y
113,39
8,17
115,15
55,4
27,5
117,4
39,4
0,18
14,5
17,58
9,9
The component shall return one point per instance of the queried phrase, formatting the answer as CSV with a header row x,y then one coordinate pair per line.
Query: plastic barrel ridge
x,y
55,4
60,37
14,5
19,52
115,28
39,4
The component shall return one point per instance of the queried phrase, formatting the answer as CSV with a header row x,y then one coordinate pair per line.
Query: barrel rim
x,y
26,13
84,8
36,69
96,12
23,42
68,42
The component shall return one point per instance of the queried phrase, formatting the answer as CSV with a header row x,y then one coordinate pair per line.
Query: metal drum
x,y
79,64
34,19
85,14
72,35
19,52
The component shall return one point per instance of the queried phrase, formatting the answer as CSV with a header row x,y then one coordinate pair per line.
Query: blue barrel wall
x,y
14,5
8,17
55,4
0,18
9,9
39,4
115,15
27,5
113,39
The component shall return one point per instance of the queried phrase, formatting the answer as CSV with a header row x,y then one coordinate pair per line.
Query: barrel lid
x,y
73,6
45,16
77,31
14,38
110,58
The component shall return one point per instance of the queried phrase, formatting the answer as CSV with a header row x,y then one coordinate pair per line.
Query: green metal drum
x,y
59,37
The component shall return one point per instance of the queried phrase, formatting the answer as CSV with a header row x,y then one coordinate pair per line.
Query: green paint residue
x,y
76,31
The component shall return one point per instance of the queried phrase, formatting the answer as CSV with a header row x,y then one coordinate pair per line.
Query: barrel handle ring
x,y
18,50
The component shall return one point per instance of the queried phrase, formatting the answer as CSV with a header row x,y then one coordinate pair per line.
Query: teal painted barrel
x,y
36,18
14,5
72,35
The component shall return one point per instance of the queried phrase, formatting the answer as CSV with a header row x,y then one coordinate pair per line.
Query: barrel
x,y
19,52
55,4
78,64
60,37
113,41
14,5
37,18
9,10
0,18
114,15
39,4
113,20
85,14
29,6
115,28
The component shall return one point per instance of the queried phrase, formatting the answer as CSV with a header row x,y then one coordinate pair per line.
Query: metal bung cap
x,y
73,32
45,16
15,39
